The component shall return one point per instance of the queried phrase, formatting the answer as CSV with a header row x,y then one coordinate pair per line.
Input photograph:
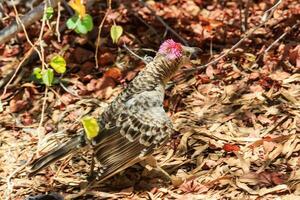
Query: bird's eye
x,y
188,54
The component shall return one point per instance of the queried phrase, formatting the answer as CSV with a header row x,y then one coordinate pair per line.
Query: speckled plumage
x,y
135,123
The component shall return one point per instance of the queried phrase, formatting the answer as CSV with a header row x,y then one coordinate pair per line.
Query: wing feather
x,y
136,130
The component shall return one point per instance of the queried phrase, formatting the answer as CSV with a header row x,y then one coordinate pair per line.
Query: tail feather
x,y
56,154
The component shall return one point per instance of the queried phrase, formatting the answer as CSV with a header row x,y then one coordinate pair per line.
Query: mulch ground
x,y
237,122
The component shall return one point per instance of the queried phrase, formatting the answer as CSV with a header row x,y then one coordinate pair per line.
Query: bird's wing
x,y
141,126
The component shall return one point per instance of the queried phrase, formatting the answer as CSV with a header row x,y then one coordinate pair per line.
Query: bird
x,y
135,123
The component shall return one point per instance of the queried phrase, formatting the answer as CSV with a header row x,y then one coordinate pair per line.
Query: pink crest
x,y
170,49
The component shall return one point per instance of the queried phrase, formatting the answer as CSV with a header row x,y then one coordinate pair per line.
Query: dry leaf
x,y
193,186
231,147
17,105
114,73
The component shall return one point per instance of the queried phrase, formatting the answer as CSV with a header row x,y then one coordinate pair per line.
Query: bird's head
x,y
172,55
172,50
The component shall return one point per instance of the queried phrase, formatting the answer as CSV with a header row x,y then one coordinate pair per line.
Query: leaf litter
x,y
237,123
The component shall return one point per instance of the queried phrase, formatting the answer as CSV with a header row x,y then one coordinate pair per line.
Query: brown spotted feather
x,y
133,125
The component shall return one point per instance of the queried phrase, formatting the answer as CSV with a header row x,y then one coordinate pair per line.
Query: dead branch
x,y
28,19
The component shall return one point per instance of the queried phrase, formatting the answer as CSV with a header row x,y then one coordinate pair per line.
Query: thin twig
x,y
246,14
40,135
268,13
264,19
57,22
276,41
28,19
19,22
40,39
282,36
9,183
67,90
139,57
165,24
99,33
27,55
144,22
40,42
58,96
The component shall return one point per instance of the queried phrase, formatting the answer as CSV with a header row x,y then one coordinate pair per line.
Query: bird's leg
x,y
151,161
92,175
95,175
166,174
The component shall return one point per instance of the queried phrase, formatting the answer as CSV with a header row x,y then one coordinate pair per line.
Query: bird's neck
x,y
162,69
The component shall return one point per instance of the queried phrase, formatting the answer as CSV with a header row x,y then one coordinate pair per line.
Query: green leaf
x,y
58,63
81,28
81,25
37,73
72,22
115,33
84,25
49,13
87,21
48,76
91,127
1,106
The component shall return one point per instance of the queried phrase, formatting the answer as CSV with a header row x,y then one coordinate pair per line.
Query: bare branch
x,y
28,19
99,33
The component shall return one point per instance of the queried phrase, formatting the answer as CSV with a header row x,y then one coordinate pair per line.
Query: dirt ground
x,y
237,120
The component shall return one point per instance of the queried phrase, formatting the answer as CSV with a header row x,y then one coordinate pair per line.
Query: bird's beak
x,y
189,51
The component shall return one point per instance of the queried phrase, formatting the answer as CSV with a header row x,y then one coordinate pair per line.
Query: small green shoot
x,y
58,63
48,76
81,22
49,13
73,22
84,25
37,73
116,32
91,127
